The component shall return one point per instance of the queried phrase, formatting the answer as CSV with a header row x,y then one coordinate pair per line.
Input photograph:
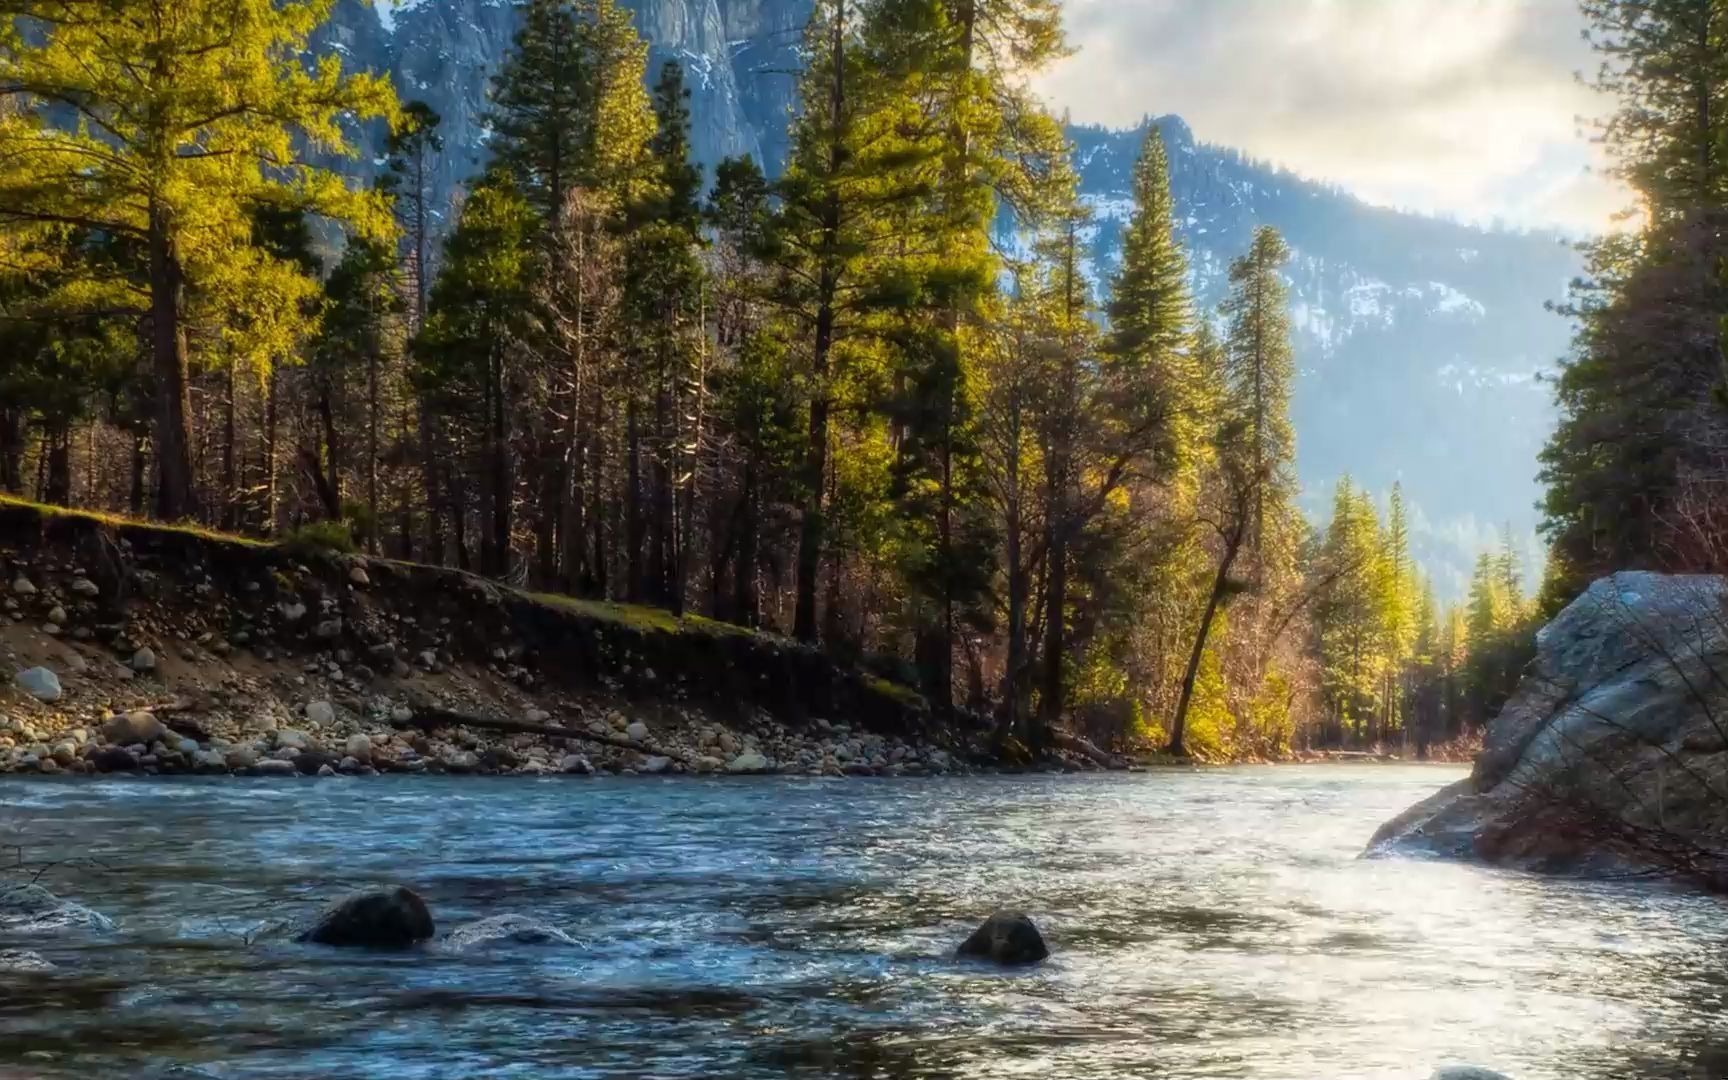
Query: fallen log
x,y
1084,747
428,717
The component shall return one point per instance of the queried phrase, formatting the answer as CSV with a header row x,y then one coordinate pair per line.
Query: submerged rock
x,y
1611,754
750,761
1007,937
1467,1072
381,919
31,909
505,930
23,961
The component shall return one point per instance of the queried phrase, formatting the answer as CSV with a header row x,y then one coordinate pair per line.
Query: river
x,y
1203,924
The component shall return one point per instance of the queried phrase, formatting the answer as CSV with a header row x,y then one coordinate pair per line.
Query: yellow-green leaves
x,y
137,115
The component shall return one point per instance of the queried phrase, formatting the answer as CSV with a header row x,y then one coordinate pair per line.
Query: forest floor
x,y
132,647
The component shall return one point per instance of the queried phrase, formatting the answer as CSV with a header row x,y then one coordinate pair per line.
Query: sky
x,y
1467,108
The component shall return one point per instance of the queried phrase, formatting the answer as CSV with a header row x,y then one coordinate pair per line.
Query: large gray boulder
x,y
380,919
134,727
1612,753
1007,937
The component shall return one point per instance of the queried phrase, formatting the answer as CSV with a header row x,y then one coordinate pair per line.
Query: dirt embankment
x,y
133,647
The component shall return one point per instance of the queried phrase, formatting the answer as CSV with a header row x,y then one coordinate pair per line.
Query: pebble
x,y
83,586
320,713
23,586
144,660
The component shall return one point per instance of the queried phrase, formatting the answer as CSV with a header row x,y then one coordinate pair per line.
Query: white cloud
x,y
1461,107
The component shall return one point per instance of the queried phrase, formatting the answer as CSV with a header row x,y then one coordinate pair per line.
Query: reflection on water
x,y
1212,924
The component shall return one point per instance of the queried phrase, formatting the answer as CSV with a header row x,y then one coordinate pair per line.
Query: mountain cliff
x,y
1419,341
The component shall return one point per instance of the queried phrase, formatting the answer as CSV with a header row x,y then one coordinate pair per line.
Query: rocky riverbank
x,y
127,648
1612,755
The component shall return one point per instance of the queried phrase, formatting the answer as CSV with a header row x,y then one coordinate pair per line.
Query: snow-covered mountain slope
x,y
1419,341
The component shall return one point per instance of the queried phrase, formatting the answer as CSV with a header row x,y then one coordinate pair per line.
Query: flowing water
x,y
1205,924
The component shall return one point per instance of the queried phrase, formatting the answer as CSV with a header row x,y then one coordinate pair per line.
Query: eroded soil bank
x,y
126,647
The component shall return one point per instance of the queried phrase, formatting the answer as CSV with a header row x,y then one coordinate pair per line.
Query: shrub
x,y
321,536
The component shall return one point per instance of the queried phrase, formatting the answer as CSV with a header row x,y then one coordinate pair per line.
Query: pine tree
x,y
186,121
1151,319
361,334
1631,468
540,104
472,338
839,201
414,148
663,292
1260,369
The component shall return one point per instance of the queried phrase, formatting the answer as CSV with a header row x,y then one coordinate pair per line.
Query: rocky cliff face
x,y
739,57
1613,752
1419,341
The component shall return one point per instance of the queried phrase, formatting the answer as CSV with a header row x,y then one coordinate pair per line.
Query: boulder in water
x,y
505,930
380,919
31,909
1467,1072
1007,937
1611,754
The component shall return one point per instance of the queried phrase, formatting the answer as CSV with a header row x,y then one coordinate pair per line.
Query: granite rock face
x,y
1613,751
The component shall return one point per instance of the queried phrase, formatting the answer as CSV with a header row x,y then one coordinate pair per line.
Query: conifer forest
x,y
834,403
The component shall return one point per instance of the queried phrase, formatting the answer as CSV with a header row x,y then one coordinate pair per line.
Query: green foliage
x,y
1632,468
320,537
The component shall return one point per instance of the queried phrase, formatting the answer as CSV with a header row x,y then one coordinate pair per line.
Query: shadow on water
x,y
1213,924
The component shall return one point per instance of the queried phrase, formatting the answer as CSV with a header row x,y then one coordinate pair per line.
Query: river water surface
x,y
1205,924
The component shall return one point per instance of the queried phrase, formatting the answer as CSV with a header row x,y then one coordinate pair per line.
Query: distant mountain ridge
x,y
1419,341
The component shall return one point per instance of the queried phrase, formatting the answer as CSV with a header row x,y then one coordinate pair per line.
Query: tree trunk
x,y
634,522
1055,622
140,466
175,498
267,523
11,451
1220,582
746,604
436,508
1014,671
230,463
372,448
502,483
811,528
57,449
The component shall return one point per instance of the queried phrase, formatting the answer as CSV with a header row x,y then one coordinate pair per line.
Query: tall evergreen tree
x,y
1260,369
187,119
472,341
